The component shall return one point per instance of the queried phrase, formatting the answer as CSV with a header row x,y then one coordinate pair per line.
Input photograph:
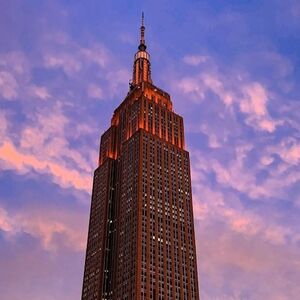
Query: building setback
x,y
141,241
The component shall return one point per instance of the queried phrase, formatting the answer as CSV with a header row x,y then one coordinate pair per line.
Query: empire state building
x,y
141,241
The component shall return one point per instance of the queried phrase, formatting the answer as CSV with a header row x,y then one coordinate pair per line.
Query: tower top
x,y
141,66
142,46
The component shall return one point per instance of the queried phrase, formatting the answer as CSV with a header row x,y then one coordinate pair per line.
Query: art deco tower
x,y
141,242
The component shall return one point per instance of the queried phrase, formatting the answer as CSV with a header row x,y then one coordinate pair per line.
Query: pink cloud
x,y
267,125
254,105
94,91
68,62
195,60
234,243
5,223
16,160
3,125
232,259
293,154
15,62
14,74
45,226
97,54
235,174
213,83
201,210
250,97
213,204
75,61
45,149
8,86
199,85
39,92
47,139
191,86
288,149
255,101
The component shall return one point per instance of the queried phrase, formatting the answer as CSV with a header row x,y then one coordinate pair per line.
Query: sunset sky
x,y
233,71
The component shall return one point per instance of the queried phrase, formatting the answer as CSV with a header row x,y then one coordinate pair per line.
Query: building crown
x,y
141,66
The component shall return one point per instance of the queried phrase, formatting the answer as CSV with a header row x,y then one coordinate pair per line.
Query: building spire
x,y
141,66
142,45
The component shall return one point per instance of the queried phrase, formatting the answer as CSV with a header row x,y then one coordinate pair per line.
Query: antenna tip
x,y
142,18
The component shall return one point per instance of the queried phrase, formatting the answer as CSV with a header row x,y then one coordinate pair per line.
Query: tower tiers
x,y
141,241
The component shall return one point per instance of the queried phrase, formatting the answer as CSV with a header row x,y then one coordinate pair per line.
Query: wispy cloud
x,y
94,91
8,86
12,159
238,257
249,96
254,105
195,60
45,226
39,92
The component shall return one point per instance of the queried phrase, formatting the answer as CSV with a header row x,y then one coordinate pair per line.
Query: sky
x,y
233,71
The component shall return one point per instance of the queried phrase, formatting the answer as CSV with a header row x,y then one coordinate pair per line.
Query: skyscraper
x,y
141,242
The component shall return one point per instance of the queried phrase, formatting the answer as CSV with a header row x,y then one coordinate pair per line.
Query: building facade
x,y
141,241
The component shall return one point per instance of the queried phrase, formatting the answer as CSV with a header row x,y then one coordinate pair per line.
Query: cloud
x,y
79,62
292,155
191,86
94,91
254,104
234,91
8,86
288,150
213,141
232,265
44,148
47,138
46,226
203,83
117,78
97,54
13,74
212,206
232,243
39,92
68,62
266,160
16,77
256,100
200,85
12,159
74,61
195,60
5,222
15,61
42,141
127,38
236,174
214,84
3,125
